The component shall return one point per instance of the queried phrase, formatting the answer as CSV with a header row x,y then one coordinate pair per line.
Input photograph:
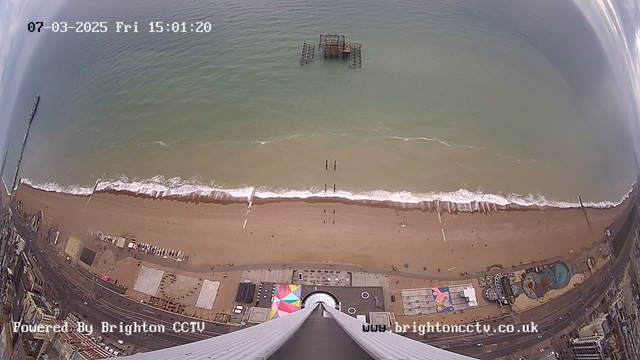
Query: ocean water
x,y
497,101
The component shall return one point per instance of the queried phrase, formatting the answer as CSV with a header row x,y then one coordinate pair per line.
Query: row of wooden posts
x,y
325,188
335,164
326,167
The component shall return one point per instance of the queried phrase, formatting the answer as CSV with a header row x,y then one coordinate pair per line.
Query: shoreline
x,y
460,201
212,233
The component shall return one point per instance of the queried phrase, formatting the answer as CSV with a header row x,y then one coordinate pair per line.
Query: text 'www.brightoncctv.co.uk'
x,y
428,328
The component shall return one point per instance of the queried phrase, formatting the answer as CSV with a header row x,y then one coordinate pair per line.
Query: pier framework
x,y
307,53
333,46
355,55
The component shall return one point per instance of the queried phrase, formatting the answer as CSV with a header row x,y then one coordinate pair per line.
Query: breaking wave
x,y
161,143
277,139
443,142
57,188
460,200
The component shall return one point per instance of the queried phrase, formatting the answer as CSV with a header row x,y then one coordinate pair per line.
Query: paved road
x,y
551,318
591,296
106,305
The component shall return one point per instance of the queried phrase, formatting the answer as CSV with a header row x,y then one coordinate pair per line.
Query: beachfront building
x,y
31,275
36,220
36,312
73,345
502,289
11,246
588,348
315,332
599,326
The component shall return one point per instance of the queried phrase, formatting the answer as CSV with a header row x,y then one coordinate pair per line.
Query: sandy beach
x,y
289,232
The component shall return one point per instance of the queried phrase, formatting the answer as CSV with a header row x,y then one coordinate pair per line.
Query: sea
x,y
506,101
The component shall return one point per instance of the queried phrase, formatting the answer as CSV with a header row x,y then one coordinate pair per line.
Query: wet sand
x,y
289,232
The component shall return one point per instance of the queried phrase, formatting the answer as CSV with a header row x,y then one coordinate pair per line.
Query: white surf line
x,y
90,196
253,193
443,236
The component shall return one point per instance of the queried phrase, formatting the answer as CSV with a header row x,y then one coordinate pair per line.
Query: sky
x,y
16,47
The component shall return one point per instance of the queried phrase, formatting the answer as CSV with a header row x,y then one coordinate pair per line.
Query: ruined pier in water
x,y
333,46
307,53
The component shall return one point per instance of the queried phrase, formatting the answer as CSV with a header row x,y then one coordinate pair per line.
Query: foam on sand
x,y
461,200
